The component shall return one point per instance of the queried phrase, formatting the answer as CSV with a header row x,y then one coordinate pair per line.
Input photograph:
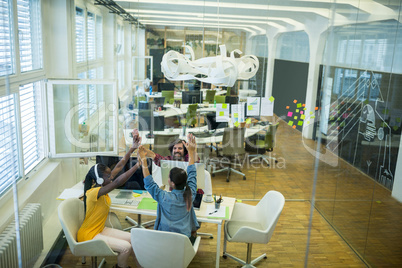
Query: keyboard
x,y
207,134
127,202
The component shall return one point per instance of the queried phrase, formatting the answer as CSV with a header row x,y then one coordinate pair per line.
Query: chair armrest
x,y
93,248
250,235
241,212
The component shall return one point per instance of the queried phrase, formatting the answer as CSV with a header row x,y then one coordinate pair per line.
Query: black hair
x,y
172,144
179,177
90,178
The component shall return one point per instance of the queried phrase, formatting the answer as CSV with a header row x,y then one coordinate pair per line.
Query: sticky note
x,y
294,126
301,112
297,110
312,117
395,127
290,123
386,111
299,105
398,119
302,116
304,105
300,123
239,201
271,99
295,118
221,113
224,105
294,101
136,195
311,112
287,107
236,115
304,108
248,121
316,108
308,122
290,114
236,124
250,107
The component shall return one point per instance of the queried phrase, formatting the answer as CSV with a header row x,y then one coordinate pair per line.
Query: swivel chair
x,y
253,224
210,96
266,143
168,94
220,99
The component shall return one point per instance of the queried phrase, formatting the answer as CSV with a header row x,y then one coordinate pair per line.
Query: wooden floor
x,y
342,195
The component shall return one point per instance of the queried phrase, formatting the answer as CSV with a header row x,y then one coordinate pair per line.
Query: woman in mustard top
x,y
98,183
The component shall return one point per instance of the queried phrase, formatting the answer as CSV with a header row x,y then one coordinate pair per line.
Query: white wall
x,y
397,188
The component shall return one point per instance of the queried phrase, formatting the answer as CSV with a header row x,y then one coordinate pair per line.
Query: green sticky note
x,y
398,119
342,124
148,203
302,116
271,99
239,201
299,105
236,124
248,121
386,111
366,102
295,118
300,123
304,108
297,110
250,107
312,117
311,112
290,123
221,113
224,105
395,127
236,115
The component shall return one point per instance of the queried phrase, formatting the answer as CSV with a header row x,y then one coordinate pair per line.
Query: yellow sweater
x,y
96,215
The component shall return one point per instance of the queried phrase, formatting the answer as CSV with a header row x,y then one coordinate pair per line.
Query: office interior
x,y
332,67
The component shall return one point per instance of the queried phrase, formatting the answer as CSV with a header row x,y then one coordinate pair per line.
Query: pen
x,y
213,212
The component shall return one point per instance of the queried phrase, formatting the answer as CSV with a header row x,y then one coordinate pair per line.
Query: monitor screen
x,y
191,97
165,86
145,121
159,101
167,165
212,124
136,181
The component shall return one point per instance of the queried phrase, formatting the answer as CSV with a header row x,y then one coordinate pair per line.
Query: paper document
x,y
216,213
267,107
253,106
71,193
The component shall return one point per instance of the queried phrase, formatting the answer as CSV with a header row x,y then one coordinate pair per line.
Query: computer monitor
x,y
159,101
165,86
136,181
191,97
149,122
167,165
212,124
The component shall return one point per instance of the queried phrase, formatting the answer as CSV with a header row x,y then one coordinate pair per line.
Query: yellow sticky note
x,y
271,99
239,201
250,107
248,121
302,116
297,110
136,195
221,113
224,105
236,115
236,124
295,117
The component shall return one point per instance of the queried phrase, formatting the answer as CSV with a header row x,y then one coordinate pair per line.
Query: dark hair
x,y
172,144
90,178
179,177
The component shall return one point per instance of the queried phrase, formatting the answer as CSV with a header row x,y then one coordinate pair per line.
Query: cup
x,y
208,198
217,205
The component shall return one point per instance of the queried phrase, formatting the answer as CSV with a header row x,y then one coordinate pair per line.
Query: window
x,y
99,37
29,35
120,74
79,34
31,124
91,48
7,59
8,143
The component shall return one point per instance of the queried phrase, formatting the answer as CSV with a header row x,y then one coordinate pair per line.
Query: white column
x,y
272,36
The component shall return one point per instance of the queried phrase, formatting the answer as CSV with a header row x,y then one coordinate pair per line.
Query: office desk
x,y
174,111
201,215
201,141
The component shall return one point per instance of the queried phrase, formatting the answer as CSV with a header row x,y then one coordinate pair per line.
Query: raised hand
x,y
191,144
142,153
136,139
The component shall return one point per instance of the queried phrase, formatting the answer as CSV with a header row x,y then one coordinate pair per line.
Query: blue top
x,y
172,214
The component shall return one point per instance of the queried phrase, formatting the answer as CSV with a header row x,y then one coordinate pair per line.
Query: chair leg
x,y
138,224
248,262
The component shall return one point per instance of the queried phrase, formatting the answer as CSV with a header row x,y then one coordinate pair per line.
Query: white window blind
x,y
92,91
91,36
31,125
7,59
120,74
99,37
79,34
8,143
29,34
120,40
82,100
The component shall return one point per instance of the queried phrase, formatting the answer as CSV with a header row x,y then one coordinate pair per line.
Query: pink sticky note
x,y
301,112
290,114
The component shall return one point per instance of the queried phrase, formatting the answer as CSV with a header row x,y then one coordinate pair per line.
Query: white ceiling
x,y
257,17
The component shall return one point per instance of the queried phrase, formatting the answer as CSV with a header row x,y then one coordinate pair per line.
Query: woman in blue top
x,y
175,212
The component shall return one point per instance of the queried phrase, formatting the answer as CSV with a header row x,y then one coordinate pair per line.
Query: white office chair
x,y
253,224
162,249
71,215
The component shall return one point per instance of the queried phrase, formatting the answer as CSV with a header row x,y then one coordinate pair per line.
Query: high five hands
x,y
136,139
